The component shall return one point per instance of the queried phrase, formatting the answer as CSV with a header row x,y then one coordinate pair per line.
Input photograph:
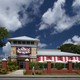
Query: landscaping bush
x,y
77,65
38,72
12,66
0,70
12,63
59,65
37,65
3,71
0,64
24,72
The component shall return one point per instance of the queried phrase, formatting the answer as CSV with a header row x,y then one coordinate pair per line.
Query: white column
x,y
41,58
77,58
56,59
53,58
63,59
45,58
66,58
73,58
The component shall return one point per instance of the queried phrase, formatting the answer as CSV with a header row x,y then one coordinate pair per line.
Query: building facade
x,y
57,56
25,47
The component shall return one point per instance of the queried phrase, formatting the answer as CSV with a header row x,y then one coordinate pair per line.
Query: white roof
x,y
55,53
24,38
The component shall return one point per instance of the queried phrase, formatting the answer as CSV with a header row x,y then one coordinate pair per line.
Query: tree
x,y
70,48
3,35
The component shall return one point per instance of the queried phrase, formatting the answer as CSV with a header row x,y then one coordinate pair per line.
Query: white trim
x,y
52,58
40,58
63,59
66,58
77,58
44,58
56,59
73,58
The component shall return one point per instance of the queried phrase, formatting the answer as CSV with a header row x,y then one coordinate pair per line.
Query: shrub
x,y
10,68
37,65
79,66
17,67
38,72
59,66
3,71
0,70
12,63
24,72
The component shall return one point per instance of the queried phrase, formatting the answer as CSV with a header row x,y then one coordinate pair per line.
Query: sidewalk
x,y
19,74
16,73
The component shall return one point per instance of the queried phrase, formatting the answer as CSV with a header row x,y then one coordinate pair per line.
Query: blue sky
x,y
54,22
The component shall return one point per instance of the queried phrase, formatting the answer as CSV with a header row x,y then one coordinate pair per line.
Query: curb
x,y
4,76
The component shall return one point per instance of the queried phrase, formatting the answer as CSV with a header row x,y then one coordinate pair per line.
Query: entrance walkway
x,y
16,73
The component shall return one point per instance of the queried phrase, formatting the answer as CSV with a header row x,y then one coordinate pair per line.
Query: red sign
x,y
23,50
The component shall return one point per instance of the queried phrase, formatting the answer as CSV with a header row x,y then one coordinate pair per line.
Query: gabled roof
x,y
24,38
54,53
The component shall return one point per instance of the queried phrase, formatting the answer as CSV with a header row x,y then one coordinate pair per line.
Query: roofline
x,y
58,55
49,50
23,40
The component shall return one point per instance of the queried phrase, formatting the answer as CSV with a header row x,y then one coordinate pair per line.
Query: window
x,y
14,42
32,42
23,42
19,42
28,42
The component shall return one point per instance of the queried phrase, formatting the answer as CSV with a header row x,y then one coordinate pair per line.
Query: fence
x,y
51,68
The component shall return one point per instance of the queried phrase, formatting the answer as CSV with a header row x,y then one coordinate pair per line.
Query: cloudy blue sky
x,y
54,22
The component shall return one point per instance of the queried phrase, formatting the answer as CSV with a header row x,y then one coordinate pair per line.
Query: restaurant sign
x,y
23,50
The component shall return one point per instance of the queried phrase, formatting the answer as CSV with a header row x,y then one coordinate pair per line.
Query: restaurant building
x,y
23,47
57,56
26,47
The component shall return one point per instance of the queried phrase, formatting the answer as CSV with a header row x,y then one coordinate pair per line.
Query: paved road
x,y
39,78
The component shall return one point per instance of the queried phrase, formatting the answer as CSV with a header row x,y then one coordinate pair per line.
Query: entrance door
x,y
21,64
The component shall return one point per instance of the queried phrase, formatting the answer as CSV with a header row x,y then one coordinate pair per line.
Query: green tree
x,y
3,34
70,48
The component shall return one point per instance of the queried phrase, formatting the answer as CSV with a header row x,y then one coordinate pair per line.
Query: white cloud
x,y
9,12
56,17
42,45
7,49
69,41
76,3
74,40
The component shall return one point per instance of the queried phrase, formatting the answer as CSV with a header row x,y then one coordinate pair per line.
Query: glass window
x,y
28,42
32,42
14,42
23,42
19,42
